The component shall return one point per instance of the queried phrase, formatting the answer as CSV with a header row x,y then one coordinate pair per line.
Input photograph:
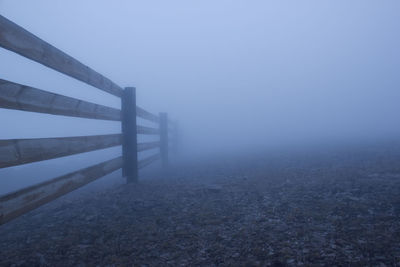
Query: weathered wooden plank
x,y
21,151
22,201
20,41
147,161
26,98
148,145
147,130
140,112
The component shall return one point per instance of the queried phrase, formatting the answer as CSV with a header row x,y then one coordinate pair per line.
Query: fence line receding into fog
x,y
15,152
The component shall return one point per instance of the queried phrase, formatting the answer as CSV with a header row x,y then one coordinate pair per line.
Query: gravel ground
x,y
337,207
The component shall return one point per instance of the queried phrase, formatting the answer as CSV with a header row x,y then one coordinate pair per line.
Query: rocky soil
x,y
310,208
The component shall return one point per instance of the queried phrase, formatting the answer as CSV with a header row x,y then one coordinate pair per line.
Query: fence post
x,y
129,135
164,138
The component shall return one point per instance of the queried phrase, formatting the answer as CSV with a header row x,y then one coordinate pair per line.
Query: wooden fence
x,y
21,151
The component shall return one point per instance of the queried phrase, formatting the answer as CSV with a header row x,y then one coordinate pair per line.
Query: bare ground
x,y
312,208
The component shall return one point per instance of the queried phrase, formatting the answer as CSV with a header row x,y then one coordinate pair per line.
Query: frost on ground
x,y
289,209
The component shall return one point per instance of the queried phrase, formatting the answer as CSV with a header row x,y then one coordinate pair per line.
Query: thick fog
x,y
236,75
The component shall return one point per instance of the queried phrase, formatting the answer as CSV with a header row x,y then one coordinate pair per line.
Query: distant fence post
x,y
164,138
129,135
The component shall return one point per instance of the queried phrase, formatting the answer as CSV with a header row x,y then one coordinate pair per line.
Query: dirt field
x,y
336,207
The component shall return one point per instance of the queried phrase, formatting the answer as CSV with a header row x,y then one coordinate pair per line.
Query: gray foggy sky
x,y
234,73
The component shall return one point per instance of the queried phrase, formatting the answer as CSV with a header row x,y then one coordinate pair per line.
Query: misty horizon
x,y
265,73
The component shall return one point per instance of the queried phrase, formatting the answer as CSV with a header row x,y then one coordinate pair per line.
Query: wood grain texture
x,y
24,43
26,98
22,201
21,151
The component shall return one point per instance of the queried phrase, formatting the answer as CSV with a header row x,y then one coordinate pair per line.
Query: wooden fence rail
x,y
21,151
17,203
20,41
147,130
15,152
26,98
146,115
147,146
144,162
